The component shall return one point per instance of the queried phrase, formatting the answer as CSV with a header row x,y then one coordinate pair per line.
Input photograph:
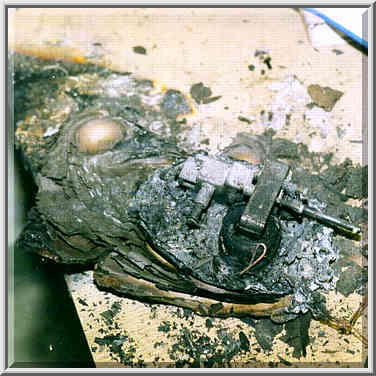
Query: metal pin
x,y
299,208
253,263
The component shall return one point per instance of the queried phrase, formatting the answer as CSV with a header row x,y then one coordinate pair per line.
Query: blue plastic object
x,y
339,27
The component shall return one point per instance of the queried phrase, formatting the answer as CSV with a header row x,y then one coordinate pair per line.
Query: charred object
x,y
122,190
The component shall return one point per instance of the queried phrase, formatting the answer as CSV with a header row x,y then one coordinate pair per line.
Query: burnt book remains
x,y
252,230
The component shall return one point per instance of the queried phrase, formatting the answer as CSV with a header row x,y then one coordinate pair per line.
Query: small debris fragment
x,y
267,62
264,58
324,97
260,53
265,332
284,361
174,103
81,301
329,351
116,307
246,120
108,316
251,67
111,313
199,91
209,323
244,342
288,118
205,141
337,52
202,94
297,334
139,50
357,182
164,327
211,99
351,279
340,132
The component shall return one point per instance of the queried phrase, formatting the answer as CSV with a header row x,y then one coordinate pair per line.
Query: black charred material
x,y
297,334
120,205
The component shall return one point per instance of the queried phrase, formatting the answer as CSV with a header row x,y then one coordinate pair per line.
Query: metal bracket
x,y
260,204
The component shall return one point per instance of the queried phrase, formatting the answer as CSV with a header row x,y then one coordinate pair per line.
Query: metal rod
x,y
321,217
331,220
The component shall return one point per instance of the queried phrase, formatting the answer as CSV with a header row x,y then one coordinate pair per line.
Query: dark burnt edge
x,y
35,226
